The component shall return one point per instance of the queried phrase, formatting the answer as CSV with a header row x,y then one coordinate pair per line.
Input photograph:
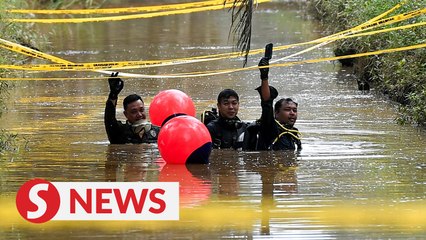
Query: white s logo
x,y
41,204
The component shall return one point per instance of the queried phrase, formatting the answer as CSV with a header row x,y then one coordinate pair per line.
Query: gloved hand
x,y
115,85
264,71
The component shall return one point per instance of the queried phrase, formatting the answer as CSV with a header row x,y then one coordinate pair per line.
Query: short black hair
x,y
129,99
227,93
280,102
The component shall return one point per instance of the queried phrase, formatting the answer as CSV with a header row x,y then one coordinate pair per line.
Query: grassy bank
x,y
24,35
401,76
21,34
65,4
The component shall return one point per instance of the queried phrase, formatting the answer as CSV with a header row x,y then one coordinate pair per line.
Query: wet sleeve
x,y
110,121
274,93
267,132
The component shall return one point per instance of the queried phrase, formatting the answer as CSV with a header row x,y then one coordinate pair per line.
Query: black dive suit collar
x,y
233,123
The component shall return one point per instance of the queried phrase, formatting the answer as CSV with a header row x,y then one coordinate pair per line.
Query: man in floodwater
x,y
136,129
227,131
277,131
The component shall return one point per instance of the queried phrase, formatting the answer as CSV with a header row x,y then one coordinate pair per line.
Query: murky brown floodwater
x,y
359,175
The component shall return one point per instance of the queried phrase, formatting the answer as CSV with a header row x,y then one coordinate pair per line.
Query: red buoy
x,y
184,139
168,104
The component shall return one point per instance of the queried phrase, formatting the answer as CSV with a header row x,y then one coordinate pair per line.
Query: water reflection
x,y
125,164
194,182
277,172
247,176
129,166
225,166
220,181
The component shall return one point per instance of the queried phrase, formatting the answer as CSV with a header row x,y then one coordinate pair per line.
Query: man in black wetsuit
x,y
227,131
277,131
136,129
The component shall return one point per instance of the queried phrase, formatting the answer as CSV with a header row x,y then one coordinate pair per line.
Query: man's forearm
x,y
264,90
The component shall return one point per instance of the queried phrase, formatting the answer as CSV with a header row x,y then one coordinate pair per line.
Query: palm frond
x,y
242,12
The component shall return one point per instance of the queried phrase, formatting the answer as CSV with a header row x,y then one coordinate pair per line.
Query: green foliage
x,y
3,94
415,110
399,75
23,34
65,4
7,141
16,33
19,33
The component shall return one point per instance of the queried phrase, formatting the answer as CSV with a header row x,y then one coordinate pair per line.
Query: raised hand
x,y
115,85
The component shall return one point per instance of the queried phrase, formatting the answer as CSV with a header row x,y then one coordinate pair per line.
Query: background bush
x,y
18,33
402,75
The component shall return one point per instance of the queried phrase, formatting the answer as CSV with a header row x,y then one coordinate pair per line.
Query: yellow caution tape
x,y
391,50
154,8
344,33
37,54
382,31
82,66
395,19
66,65
287,64
139,64
348,36
375,19
91,66
363,27
397,6
129,17
31,52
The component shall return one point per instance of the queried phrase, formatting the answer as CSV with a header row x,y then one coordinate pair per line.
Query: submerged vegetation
x,y
400,75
